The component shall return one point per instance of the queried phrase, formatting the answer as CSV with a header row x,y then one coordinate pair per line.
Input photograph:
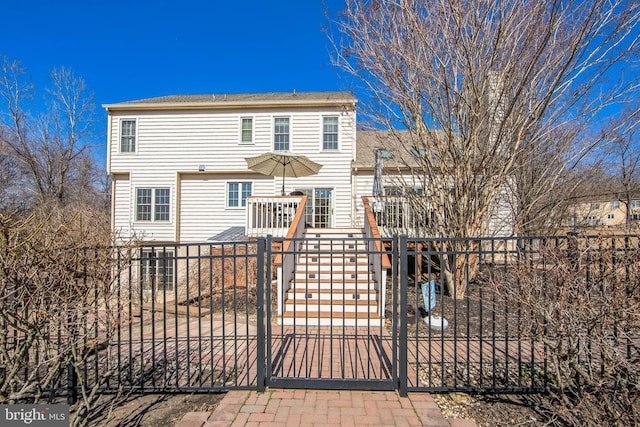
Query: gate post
x,y
260,288
402,272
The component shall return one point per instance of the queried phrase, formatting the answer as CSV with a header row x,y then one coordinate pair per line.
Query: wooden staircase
x,y
333,284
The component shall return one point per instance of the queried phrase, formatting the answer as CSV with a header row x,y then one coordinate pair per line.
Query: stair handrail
x,y
380,259
284,261
372,232
296,231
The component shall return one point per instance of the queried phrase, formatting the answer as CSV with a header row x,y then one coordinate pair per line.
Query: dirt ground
x,y
152,410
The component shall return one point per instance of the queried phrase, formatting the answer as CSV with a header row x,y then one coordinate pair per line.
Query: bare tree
x,y
585,320
625,150
498,98
50,145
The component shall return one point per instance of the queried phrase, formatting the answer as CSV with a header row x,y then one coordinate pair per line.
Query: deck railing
x,y
394,215
271,215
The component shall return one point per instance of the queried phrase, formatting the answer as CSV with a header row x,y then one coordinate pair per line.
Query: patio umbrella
x,y
377,173
283,163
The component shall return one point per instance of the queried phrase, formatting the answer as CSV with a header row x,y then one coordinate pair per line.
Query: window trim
x,y
273,129
135,134
337,133
240,192
241,130
153,210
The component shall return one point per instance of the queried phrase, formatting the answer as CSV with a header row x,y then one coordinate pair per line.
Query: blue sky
x,y
139,49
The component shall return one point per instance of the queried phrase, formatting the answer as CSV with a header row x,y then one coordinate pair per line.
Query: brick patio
x,y
289,408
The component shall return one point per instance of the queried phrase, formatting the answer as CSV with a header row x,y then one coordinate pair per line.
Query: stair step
x,y
333,283
345,307
334,232
332,246
332,294
326,318
336,286
348,271
328,257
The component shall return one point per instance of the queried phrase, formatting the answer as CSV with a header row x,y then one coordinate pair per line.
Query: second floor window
x,y
153,204
329,133
246,132
281,134
128,136
237,193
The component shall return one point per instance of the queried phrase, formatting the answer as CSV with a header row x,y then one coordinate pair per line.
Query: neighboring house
x,y
178,165
603,212
179,173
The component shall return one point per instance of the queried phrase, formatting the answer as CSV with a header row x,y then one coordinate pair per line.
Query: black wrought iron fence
x,y
518,314
486,314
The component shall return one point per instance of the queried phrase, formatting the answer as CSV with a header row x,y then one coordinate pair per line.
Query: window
x,y
246,130
635,217
237,193
393,191
153,203
330,133
143,204
386,154
595,205
157,269
614,205
127,136
418,153
162,204
610,216
634,204
281,133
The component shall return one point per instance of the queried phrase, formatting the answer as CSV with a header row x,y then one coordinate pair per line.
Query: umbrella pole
x,y
284,166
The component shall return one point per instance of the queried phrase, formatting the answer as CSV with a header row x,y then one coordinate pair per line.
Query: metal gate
x,y
334,323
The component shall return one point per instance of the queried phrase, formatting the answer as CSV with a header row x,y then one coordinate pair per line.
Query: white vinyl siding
x,y
281,135
121,206
172,144
330,133
127,136
203,211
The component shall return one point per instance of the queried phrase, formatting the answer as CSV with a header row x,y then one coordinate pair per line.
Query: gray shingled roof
x,y
367,141
234,98
396,142
231,234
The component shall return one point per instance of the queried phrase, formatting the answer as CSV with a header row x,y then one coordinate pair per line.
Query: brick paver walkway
x,y
288,408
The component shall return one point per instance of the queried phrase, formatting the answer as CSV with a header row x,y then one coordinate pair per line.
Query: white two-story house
x,y
178,165
180,175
